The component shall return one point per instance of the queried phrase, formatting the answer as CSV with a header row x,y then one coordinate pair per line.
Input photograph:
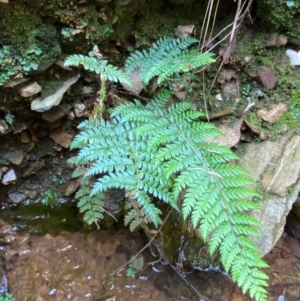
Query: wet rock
x,y
15,157
17,197
70,187
62,138
56,113
9,177
42,104
30,90
267,77
276,164
273,115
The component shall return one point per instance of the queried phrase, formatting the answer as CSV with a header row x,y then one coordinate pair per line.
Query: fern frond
x,y
166,57
98,65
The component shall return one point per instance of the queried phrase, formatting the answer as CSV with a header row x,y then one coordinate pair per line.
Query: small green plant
x,y
167,153
9,117
131,271
50,197
7,297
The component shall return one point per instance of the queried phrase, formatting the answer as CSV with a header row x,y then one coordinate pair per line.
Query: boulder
x,y
276,165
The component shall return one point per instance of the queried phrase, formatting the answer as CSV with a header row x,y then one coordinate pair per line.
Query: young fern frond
x,y
166,57
98,65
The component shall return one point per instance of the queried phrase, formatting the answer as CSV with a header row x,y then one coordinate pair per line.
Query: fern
x,y
166,57
96,63
151,151
90,206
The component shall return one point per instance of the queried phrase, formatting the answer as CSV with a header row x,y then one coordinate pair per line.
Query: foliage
x,y
166,57
90,206
167,153
50,197
131,271
96,63
7,297
282,16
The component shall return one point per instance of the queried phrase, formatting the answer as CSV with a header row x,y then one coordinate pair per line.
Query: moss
x,y
281,18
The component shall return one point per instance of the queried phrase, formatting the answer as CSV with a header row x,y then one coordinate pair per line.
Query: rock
x,y
70,187
16,157
276,164
32,194
33,168
16,81
281,40
137,87
267,77
25,137
9,177
18,128
56,113
232,134
62,138
272,41
228,74
3,126
42,67
30,90
183,31
251,126
80,110
273,115
42,104
231,88
17,197
122,2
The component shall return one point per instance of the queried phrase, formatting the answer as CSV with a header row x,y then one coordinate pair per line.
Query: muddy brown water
x,y
46,260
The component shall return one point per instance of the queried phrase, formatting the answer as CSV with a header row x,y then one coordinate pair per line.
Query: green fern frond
x,y
98,65
166,57
90,206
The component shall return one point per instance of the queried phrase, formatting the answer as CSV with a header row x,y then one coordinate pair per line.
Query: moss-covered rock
x,y
279,16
